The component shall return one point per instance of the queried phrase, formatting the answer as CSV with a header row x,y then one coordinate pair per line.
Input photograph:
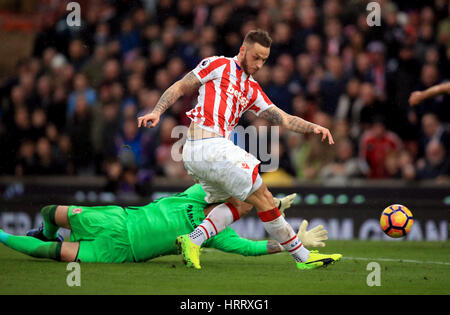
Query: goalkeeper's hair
x,y
258,36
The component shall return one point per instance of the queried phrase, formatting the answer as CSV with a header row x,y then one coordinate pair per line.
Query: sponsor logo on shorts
x,y
76,211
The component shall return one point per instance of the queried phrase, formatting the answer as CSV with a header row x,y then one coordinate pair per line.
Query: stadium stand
x,y
69,107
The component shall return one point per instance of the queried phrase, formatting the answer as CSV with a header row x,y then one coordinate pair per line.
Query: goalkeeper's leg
x,y
53,218
31,246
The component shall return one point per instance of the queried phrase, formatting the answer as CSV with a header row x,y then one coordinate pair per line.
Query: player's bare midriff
x,y
196,132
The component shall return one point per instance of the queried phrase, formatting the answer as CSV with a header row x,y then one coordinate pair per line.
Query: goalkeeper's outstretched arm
x,y
229,241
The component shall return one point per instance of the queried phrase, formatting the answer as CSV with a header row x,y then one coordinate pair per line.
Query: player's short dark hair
x,y
258,36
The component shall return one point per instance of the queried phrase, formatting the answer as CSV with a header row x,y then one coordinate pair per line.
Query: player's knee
x,y
69,251
241,207
244,208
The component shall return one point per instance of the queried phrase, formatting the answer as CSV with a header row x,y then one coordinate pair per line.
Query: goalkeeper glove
x,y
284,203
314,237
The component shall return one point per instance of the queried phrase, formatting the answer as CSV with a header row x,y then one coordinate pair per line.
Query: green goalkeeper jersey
x,y
154,227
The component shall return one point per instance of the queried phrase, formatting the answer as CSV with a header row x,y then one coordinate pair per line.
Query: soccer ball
x,y
396,221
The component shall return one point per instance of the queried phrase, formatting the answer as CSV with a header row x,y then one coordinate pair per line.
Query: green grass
x,y
405,269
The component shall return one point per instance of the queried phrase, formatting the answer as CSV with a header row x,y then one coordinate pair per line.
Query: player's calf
x,y
275,224
217,220
31,246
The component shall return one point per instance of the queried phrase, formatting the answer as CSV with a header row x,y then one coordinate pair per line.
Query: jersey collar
x,y
235,58
245,76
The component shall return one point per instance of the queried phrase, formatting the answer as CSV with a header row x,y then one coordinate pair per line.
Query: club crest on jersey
x,y
238,94
76,211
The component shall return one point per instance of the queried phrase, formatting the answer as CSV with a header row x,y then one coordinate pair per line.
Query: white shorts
x,y
222,168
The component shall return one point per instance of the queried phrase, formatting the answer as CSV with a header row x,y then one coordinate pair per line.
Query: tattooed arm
x,y
273,247
187,84
278,117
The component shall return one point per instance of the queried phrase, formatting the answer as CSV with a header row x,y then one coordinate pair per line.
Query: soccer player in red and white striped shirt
x,y
225,171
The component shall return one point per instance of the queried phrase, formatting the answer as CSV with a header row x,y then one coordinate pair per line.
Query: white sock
x,y
280,230
217,220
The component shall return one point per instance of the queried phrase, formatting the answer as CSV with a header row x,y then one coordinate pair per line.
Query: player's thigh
x,y
69,251
224,169
61,218
106,249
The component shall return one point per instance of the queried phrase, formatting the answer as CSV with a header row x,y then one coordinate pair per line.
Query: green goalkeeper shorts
x,y
102,233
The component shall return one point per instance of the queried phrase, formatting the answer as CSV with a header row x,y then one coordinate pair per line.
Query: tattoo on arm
x,y
190,82
298,124
276,116
175,91
273,116
273,247
168,98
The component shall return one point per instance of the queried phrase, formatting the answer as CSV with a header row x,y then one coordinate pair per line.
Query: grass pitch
x,y
405,268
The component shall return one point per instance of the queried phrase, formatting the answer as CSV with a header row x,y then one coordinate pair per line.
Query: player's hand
x,y
313,238
415,98
326,134
152,118
284,203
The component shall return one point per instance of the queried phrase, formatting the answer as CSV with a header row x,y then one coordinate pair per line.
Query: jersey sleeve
x,y
229,241
261,102
209,68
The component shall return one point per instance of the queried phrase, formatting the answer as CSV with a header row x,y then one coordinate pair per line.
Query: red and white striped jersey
x,y
225,94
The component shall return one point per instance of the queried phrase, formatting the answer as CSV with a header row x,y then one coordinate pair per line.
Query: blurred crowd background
x,y
70,107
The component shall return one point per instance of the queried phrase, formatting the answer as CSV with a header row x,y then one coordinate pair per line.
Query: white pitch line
x,y
399,260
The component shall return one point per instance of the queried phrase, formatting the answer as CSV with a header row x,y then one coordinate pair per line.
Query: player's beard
x,y
245,65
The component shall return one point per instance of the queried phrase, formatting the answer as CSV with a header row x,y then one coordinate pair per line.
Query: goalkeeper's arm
x,y
229,241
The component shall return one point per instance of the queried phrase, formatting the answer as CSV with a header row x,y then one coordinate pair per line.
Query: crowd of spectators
x,y
71,107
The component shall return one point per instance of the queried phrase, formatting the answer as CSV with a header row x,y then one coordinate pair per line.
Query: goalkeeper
x,y
114,234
